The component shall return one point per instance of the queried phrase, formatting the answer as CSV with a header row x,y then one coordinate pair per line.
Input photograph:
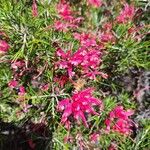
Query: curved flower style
x,y
80,103
119,120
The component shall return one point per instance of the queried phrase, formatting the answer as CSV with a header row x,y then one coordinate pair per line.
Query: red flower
x,y
3,46
119,120
76,106
95,3
34,9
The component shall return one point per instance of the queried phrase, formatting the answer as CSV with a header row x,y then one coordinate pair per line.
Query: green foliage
x,y
32,39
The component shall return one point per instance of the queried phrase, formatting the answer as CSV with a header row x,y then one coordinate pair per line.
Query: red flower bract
x,y
80,103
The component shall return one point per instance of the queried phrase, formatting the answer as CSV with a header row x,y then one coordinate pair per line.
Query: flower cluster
x,y
67,20
87,58
119,120
126,14
77,106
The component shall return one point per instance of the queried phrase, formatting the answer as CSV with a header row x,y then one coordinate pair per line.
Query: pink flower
x,y
94,137
119,120
21,91
135,33
85,39
34,9
3,46
87,59
60,26
63,26
13,84
113,146
67,20
107,26
65,62
126,14
62,80
21,96
64,11
45,87
107,37
95,3
17,64
92,74
80,103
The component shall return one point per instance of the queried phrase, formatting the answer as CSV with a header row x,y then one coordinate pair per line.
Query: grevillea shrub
x,y
59,62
